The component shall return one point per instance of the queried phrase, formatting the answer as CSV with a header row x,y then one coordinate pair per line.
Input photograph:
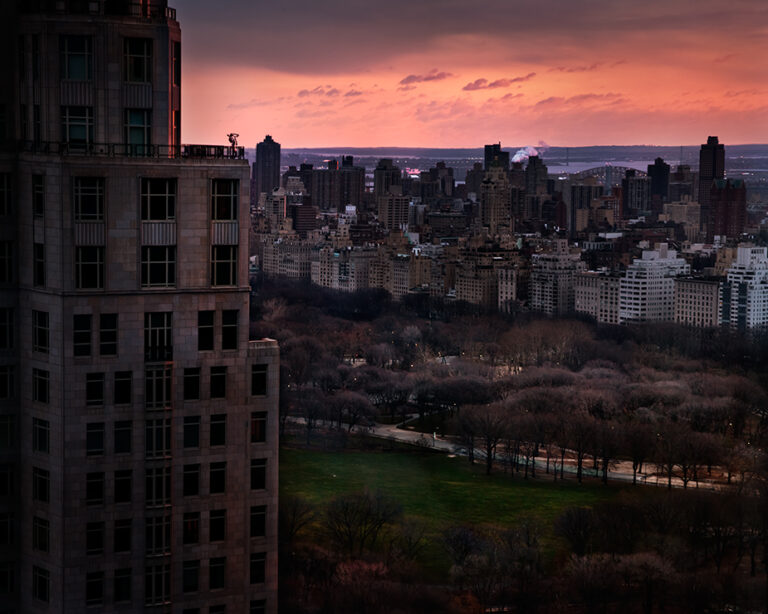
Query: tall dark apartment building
x,y
659,172
266,168
728,198
138,422
494,156
711,166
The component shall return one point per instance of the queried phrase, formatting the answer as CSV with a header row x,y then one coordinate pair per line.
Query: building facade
x,y
141,470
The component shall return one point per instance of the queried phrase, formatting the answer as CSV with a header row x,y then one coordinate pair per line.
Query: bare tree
x,y
354,521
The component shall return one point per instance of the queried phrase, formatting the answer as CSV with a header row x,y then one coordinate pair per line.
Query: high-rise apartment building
x,y
552,279
711,166
647,291
266,168
745,298
138,423
494,156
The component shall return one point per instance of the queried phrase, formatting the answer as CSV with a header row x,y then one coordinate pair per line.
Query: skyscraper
x,y
728,204
138,424
266,168
494,156
659,175
711,166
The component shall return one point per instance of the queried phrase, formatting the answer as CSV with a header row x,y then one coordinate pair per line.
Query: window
x,y
190,576
38,195
88,196
217,525
217,569
123,535
258,606
41,534
218,477
138,60
41,435
94,538
259,380
94,488
158,200
258,426
158,438
23,122
176,63
7,382
35,56
89,267
258,473
224,265
40,385
205,330
7,480
41,583
157,392
191,528
192,384
138,131
158,485
108,334
122,590
122,387
40,331
123,436
6,529
41,485
258,520
158,535
6,262
94,439
191,431
191,480
157,584
229,329
224,199
218,429
123,485
158,266
157,336
7,578
36,123
6,193
38,264
94,588
94,389
258,567
7,432
76,58
6,328
218,382
77,126
81,335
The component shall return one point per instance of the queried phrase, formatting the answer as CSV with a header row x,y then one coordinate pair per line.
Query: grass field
x,y
436,490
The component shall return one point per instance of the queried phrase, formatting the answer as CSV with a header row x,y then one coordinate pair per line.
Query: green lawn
x,y
435,489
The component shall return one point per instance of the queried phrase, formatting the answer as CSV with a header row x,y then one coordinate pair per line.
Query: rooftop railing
x,y
121,150
144,9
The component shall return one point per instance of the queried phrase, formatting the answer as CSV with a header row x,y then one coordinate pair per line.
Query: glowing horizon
x,y
318,75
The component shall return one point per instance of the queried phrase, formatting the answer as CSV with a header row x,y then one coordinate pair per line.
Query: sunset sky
x,y
460,74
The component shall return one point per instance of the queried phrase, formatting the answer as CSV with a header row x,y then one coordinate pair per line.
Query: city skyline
x,y
451,75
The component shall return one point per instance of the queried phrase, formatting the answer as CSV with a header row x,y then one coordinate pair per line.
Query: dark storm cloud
x,y
303,36
483,84
432,75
